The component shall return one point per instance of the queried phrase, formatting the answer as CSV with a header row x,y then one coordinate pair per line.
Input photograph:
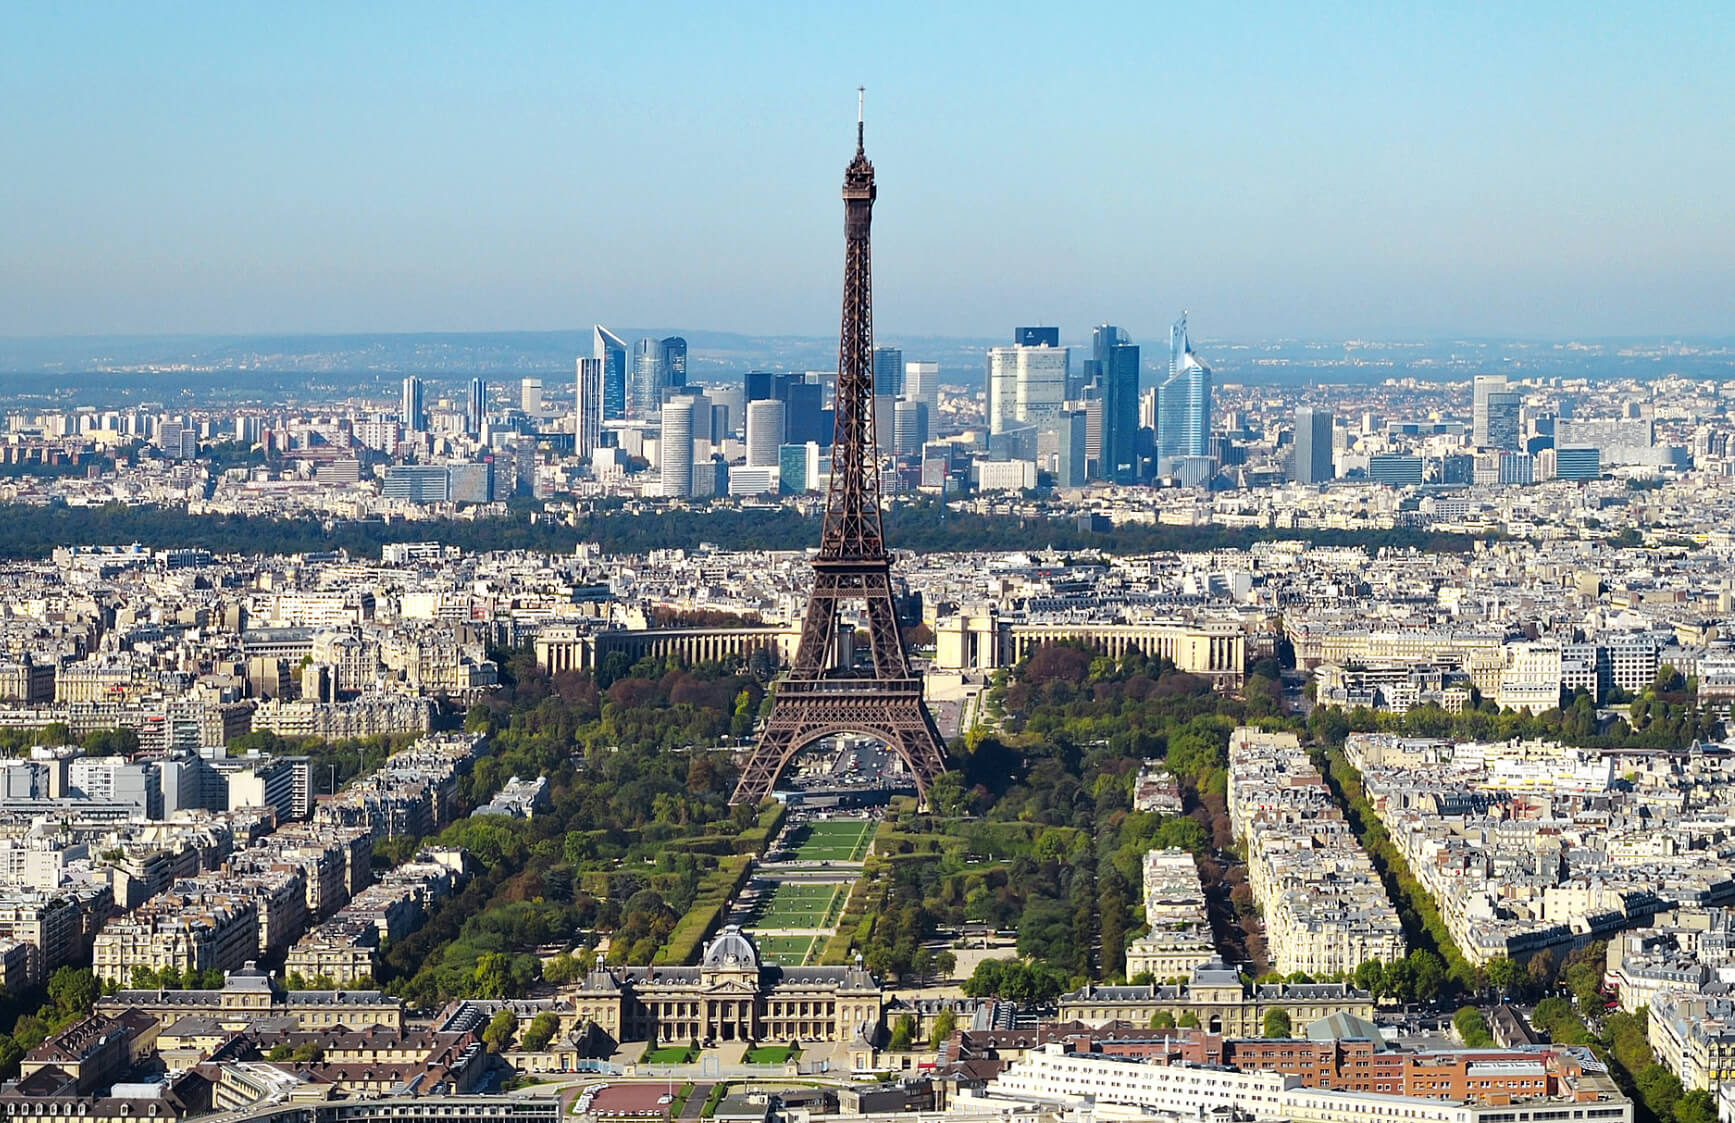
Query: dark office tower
x,y
1036,337
1119,362
411,413
805,419
888,373
1313,464
1103,337
762,385
611,349
674,363
478,407
1069,461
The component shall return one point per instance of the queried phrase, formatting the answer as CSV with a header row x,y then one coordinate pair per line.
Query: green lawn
x,y
788,951
832,840
795,905
771,1054
668,1055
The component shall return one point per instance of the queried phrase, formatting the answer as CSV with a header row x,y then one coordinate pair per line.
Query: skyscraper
x,y
910,428
922,384
1117,363
804,416
478,407
675,446
1480,387
1504,431
674,370
411,410
611,351
645,390
1494,418
530,395
765,428
588,408
885,424
659,369
1183,400
1313,463
1036,337
888,372
1069,459
1027,383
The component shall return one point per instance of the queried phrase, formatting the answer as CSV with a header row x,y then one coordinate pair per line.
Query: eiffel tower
x,y
817,698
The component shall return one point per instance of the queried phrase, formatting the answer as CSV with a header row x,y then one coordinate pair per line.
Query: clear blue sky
x,y
1374,171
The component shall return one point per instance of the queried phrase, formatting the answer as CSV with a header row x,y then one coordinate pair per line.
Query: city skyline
x,y
1434,180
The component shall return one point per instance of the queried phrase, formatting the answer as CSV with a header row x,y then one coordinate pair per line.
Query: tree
x,y
944,1023
1189,1020
1659,1088
111,742
1427,975
1503,975
1162,1019
903,1034
11,1055
501,1028
74,990
1541,971
1583,973
1277,1022
1472,1029
1696,1106
540,1031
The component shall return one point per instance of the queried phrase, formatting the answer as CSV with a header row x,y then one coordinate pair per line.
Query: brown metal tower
x,y
817,698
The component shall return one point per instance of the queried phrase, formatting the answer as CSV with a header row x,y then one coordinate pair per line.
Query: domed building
x,y
731,996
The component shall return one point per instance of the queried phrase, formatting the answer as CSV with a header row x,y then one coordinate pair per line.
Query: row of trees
x,y
1658,718
98,742
34,531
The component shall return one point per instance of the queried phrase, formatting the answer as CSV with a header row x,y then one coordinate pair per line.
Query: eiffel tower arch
x,y
817,698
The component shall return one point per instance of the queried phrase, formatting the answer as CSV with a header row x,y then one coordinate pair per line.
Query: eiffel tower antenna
x,y
819,698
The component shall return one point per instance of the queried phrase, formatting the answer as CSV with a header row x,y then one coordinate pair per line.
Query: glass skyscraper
x,y
1184,400
478,409
588,408
611,350
1116,362
411,412
674,373
888,372
644,393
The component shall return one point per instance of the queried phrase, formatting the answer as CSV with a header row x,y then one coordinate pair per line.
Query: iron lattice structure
x,y
817,698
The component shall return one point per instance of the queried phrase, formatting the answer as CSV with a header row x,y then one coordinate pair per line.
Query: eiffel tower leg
x,y
888,646
915,739
765,763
